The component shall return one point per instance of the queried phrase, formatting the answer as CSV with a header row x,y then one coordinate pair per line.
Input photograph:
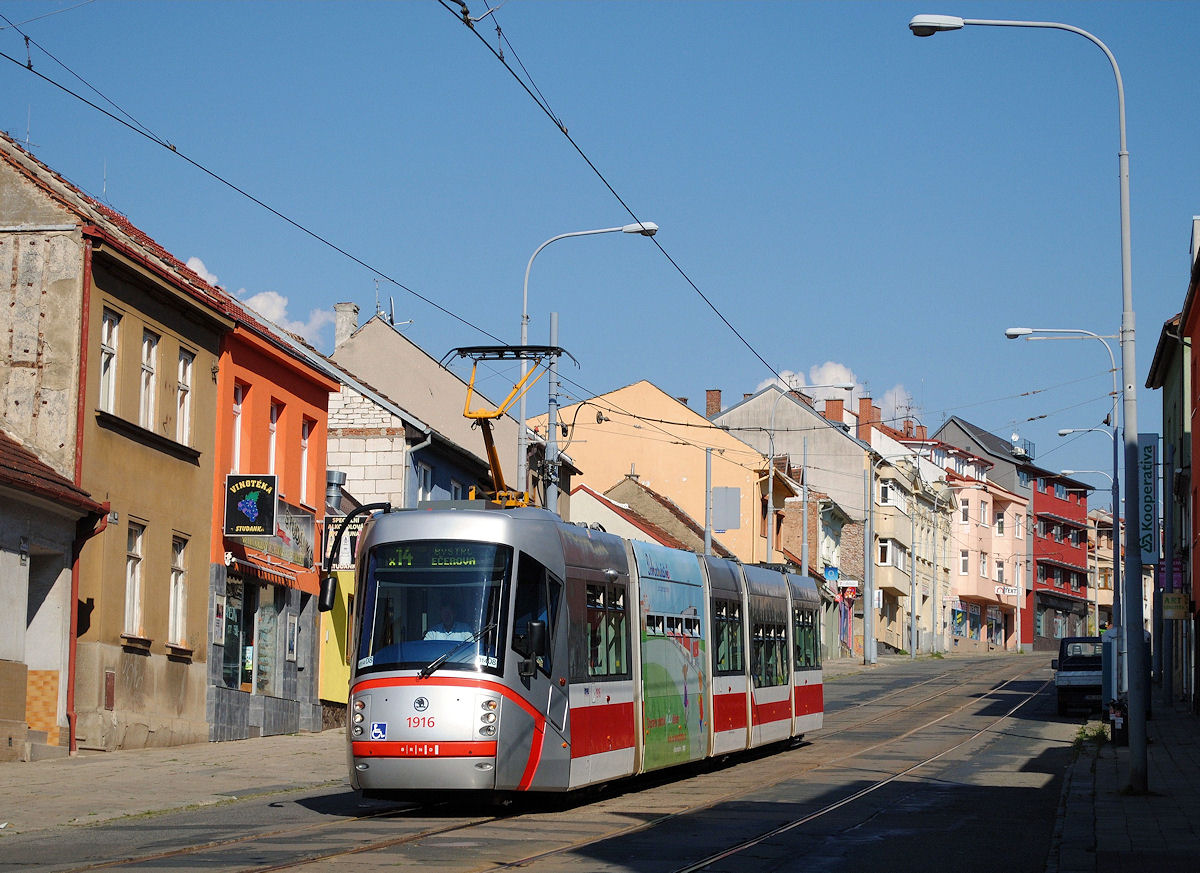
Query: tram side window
x,y
727,631
807,636
607,631
538,593
768,655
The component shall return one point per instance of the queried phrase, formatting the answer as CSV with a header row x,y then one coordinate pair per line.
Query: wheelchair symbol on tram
x,y
379,730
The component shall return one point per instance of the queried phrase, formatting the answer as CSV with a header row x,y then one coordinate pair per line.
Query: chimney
x,y
833,409
868,418
747,396
712,402
922,433
346,322
908,428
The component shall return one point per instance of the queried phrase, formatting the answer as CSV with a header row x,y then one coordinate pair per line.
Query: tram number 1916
x,y
420,721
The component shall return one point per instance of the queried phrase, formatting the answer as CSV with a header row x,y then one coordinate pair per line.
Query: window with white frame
x,y
965,513
306,428
892,554
235,460
149,387
424,481
1000,523
964,562
177,619
183,398
134,545
890,494
110,327
983,513
1000,571
1018,526
457,491
983,565
273,435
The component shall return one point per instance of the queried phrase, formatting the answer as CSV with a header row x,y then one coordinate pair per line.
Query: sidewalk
x,y
1102,830
99,786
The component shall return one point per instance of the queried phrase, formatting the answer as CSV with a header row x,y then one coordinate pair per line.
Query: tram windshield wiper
x,y
427,671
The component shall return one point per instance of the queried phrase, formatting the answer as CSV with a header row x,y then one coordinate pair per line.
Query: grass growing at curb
x,y
1092,735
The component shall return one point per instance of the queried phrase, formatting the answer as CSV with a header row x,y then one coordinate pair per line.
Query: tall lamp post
x,y
1116,541
848,386
928,25
645,228
1116,514
1028,333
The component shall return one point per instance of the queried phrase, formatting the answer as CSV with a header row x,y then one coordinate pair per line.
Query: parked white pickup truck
x,y
1078,673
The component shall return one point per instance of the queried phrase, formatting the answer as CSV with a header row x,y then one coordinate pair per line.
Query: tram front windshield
x,y
426,599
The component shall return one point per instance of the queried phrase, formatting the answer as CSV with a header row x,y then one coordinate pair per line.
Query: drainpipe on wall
x,y
80,537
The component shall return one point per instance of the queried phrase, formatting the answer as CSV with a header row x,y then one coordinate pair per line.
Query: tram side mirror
x,y
328,593
535,648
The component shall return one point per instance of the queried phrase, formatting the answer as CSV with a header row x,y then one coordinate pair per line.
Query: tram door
x,y
539,598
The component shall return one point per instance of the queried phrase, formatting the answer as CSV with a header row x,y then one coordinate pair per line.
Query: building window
x,y
983,513
183,399
966,511
1000,572
999,524
424,481
273,435
1018,526
891,554
177,621
983,561
235,461
306,428
133,579
1023,477
110,326
456,490
964,562
149,389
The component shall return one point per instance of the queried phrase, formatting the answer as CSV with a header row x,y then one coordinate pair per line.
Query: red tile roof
x,y
22,470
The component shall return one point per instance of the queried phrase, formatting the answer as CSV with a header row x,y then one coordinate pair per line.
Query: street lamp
x,y
1076,333
1116,539
927,25
848,386
645,228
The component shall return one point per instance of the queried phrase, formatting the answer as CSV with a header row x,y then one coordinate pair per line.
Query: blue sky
x,y
847,198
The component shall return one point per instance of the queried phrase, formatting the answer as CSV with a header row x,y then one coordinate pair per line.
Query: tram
x,y
500,649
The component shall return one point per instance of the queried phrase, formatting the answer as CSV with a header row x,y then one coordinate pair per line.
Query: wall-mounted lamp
x,y
23,550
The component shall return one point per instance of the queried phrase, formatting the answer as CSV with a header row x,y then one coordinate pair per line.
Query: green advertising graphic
x,y
674,626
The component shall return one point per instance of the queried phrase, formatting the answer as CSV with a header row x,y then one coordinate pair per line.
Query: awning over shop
x,y
305,580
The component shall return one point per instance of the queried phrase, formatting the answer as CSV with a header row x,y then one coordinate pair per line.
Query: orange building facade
x,y
268,498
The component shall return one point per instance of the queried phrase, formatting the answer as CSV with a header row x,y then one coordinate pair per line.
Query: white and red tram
x,y
504,650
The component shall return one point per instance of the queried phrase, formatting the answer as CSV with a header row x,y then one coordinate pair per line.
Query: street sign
x,y
1008,590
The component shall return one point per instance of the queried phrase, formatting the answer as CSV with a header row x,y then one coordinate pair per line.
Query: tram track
x,y
466,824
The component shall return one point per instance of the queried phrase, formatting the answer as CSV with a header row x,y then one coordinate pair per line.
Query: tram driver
x,y
449,628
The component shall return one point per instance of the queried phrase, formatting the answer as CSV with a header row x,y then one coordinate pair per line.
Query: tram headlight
x,y
488,730
490,705
488,718
358,718
357,730
360,704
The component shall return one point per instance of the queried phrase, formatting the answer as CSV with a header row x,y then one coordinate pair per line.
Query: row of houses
x,y
169,462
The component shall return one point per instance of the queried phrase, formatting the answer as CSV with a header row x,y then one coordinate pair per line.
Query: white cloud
x,y
197,266
273,306
829,373
896,405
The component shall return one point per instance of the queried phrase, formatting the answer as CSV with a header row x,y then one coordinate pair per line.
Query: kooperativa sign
x,y
1148,496
250,505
